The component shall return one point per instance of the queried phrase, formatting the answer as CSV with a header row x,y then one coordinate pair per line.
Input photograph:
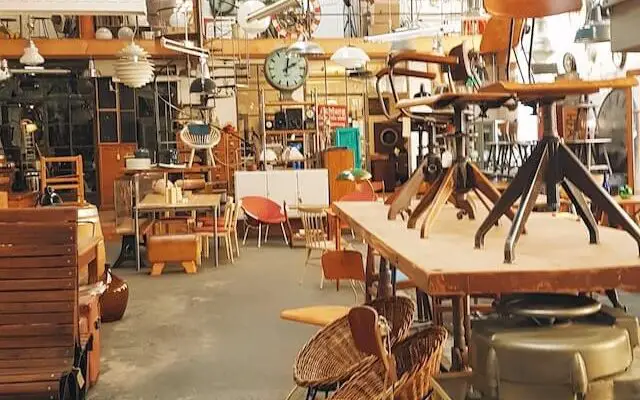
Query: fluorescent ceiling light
x,y
185,48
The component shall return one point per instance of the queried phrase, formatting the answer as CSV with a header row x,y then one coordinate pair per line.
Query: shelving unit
x,y
309,138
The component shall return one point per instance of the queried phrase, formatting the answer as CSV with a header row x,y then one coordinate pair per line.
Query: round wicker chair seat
x,y
417,360
331,357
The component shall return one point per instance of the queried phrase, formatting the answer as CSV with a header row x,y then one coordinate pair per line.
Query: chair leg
x,y
246,231
156,269
189,267
284,234
259,234
229,245
213,160
193,153
306,262
235,236
266,234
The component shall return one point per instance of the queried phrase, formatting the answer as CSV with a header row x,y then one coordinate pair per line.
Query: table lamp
x,y
357,175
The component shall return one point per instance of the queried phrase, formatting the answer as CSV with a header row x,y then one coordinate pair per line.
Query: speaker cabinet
x,y
294,118
387,136
384,170
280,121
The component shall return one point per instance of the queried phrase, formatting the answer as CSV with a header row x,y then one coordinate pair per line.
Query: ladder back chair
x,y
41,352
73,181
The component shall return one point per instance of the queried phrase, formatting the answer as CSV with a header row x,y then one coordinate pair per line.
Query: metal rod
x,y
271,9
509,49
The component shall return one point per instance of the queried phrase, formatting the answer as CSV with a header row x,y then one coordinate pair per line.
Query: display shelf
x,y
290,103
291,132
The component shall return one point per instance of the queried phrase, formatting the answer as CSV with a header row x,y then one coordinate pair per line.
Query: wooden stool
x,y
173,248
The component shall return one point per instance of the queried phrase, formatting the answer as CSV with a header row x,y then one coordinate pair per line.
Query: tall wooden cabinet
x,y
117,134
336,160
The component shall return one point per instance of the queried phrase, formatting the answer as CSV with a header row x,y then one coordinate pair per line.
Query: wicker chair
x,y
330,357
199,136
417,360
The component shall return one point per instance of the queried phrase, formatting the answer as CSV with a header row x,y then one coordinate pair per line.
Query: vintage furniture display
x,y
73,181
445,266
554,345
225,230
331,356
416,359
260,211
551,162
153,203
316,236
199,136
179,248
336,160
303,186
44,354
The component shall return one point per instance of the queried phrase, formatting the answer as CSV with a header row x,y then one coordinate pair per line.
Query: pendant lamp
x,y
305,47
350,57
595,28
31,55
133,68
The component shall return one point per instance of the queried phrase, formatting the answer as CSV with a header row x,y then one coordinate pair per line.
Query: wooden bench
x,y
41,353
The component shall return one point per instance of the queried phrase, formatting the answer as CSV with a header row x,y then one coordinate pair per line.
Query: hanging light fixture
x,y
596,29
133,68
31,55
204,83
350,57
5,72
305,47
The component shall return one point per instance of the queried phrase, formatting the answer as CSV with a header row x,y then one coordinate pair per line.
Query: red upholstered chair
x,y
260,211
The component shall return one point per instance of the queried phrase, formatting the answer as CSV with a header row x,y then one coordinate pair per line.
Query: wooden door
x,y
336,160
110,164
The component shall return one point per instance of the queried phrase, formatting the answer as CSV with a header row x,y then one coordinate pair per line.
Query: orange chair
x,y
343,264
260,211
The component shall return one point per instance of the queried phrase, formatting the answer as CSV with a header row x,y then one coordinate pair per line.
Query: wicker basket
x,y
417,360
331,357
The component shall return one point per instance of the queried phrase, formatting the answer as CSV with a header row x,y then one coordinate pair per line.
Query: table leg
x,y
459,359
215,234
385,290
368,277
136,217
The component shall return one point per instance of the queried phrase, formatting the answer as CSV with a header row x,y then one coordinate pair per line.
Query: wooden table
x,y
554,256
197,202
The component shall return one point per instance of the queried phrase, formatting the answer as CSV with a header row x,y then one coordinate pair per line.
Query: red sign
x,y
333,115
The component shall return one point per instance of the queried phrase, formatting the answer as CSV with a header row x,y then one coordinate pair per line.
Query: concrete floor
x,y
215,335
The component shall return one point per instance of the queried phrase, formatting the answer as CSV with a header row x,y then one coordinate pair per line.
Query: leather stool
x,y
181,248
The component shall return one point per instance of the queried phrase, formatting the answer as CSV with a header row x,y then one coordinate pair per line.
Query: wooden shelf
x,y
292,132
290,103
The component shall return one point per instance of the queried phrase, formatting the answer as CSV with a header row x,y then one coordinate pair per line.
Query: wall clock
x,y
222,7
285,72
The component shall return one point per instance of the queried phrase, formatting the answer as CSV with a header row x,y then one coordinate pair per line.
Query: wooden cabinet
x,y
110,164
336,160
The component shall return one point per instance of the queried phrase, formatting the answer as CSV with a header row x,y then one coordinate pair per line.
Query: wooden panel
x,y
335,161
36,296
40,233
43,262
4,200
49,387
6,366
37,284
530,9
110,164
28,319
26,354
35,377
57,214
26,308
33,250
42,330
36,273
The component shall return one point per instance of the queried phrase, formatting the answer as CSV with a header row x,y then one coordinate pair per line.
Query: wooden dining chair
x,y
225,232
314,225
344,264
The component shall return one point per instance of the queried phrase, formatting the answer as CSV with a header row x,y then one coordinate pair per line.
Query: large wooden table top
x,y
449,99
554,255
558,89
154,201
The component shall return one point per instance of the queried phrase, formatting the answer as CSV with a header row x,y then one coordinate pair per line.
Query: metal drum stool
x,y
553,346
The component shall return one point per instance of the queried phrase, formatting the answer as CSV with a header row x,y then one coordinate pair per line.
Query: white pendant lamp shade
x,y
31,55
305,47
350,57
256,26
133,68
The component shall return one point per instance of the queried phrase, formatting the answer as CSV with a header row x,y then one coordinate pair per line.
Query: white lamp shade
x,y
104,34
125,33
295,154
31,55
133,68
268,155
254,27
350,57
305,47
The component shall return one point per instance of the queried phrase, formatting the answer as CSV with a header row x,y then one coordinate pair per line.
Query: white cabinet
x,y
306,186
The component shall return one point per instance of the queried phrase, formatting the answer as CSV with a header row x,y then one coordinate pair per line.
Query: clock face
x,y
285,72
569,63
222,7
